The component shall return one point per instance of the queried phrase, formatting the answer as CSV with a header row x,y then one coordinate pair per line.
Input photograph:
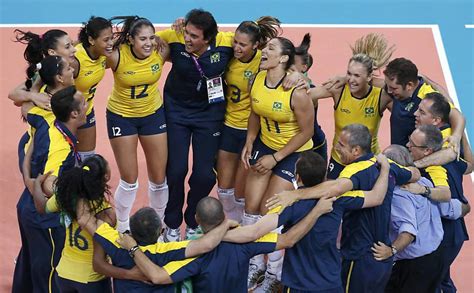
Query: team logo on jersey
x,y
277,106
155,68
369,111
247,74
88,73
347,111
216,57
409,106
185,54
129,72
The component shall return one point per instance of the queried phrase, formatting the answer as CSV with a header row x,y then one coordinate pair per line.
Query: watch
x,y
394,250
132,250
427,192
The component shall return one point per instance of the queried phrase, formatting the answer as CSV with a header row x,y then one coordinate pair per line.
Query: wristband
x,y
132,250
273,156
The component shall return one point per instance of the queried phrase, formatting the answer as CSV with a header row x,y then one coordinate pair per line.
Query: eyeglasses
x,y
412,145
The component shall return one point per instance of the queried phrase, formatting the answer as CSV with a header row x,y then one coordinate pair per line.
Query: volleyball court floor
x,y
330,50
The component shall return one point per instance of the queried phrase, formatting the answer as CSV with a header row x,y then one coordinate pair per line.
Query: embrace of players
x,y
245,105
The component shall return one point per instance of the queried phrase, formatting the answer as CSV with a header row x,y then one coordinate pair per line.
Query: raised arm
x,y
209,240
151,271
298,231
244,234
376,196
327,188
20,95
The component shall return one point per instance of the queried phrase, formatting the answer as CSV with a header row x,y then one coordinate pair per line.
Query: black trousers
x,y
421,274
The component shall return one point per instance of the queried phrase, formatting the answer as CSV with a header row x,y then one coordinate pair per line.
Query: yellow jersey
x,y
237,94
135,92
91,72
365,111
38,117
278,122
76,258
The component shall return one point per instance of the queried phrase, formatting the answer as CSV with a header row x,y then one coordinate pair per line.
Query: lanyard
x,y
69,141
198,67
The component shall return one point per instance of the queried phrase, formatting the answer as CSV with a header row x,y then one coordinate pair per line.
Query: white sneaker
x,y
270,284
171,235
193,234
123,226
255,277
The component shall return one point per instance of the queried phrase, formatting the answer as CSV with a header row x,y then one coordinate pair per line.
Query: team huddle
x,y
287,217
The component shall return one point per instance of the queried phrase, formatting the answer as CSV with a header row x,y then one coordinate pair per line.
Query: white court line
x,y
469,26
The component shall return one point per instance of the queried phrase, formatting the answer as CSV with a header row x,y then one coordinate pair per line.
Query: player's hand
x,y
294,79
126,241
383,161
231,224
178,25
264,164
38,184
414,188
41,100
335,83
324,204
246,154
455,143
283,199
381,251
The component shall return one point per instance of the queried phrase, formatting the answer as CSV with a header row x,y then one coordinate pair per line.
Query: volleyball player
x,y
249,38
95,44
358,101
135,113
280,126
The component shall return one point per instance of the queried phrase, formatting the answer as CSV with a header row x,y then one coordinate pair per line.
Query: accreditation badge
x,y
215,90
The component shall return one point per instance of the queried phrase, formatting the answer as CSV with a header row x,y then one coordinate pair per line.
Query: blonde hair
x,y
375,46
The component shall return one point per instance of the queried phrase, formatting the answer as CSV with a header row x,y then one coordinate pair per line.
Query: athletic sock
x,y
238,212
275,260
85,155
158,195
124,197
249,219
226,197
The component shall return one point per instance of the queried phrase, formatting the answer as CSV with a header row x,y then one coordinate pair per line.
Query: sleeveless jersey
x,y
277,120
135,92
76,258
91,72
365,111
237,95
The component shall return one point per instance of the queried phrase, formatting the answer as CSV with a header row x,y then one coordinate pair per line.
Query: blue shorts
x,y
334,169
118,125
232,139
90,120
285,169
66,286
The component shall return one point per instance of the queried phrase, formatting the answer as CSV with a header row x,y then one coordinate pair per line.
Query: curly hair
x,y
87,182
